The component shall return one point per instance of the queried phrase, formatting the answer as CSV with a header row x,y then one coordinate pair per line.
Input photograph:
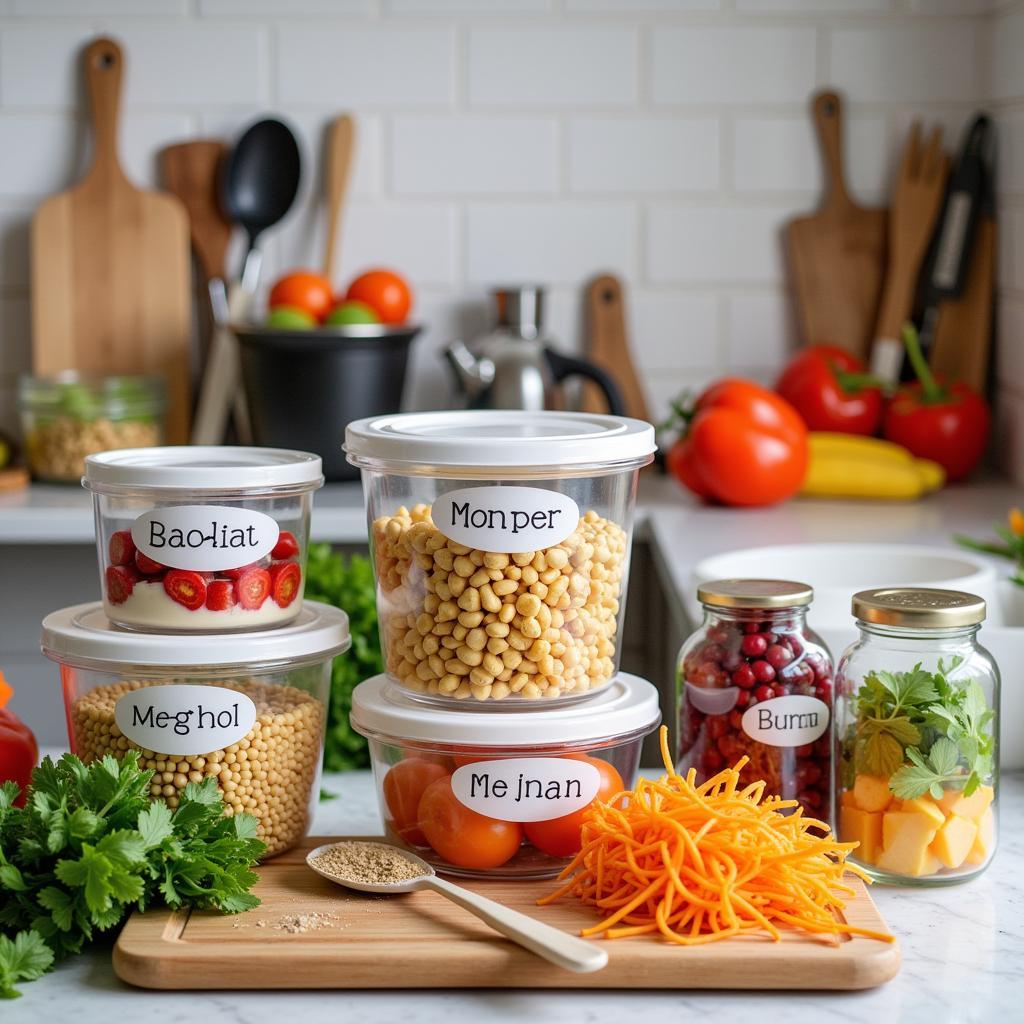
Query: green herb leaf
x,y
23,958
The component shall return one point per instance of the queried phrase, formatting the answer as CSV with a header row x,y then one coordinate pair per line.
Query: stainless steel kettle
x,y
513,366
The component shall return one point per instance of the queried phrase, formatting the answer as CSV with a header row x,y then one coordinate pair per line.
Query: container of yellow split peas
x,y
501,543
245,709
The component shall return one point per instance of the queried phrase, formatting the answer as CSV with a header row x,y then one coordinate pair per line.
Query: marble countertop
x,y
963,963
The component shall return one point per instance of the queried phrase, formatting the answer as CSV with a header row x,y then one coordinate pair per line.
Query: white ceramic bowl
x,y
838,571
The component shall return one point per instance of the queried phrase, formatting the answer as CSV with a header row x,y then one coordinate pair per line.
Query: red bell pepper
x,y
948,423
831,391
18,750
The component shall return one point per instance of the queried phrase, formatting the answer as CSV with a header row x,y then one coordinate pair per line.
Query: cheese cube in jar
x,y
246,710
501,543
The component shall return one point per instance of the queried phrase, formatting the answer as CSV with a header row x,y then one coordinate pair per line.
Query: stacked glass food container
x,y
501,544
202,655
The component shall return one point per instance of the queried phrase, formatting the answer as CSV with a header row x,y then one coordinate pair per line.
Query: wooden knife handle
x,y
104,68
827,110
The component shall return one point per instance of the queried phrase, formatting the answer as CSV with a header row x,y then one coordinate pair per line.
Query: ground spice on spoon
x,y
368,863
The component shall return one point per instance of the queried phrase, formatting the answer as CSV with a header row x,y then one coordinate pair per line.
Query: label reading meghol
x,y
787,721
184,719
526,788
206,538
506,519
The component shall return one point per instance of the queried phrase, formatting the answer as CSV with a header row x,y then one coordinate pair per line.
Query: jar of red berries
x,y
754,681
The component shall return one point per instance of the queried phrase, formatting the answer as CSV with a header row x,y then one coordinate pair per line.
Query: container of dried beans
x,y
246,709
501,545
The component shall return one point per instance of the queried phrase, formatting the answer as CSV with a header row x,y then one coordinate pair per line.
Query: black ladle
x,y
261,180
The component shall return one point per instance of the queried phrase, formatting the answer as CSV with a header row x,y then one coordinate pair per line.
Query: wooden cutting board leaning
x,y
110,265
309,933
836,254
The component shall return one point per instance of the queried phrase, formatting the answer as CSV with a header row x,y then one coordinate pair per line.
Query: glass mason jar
x,y
754,681
917,733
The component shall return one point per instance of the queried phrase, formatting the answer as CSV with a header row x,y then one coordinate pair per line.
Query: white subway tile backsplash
x,y
285,8
42,67
474,7
813,6
662,389
760,331
925,61
643,154
781,154
1009,349
710,244
580,66
673,330
643,6
351,65
732,65
111,8
48,154
473,155
1009,433
14,221
15,337
1006,75
562,243
1010,127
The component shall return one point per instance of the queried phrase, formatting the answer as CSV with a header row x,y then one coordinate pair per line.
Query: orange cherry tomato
x,y
306,290
403,787
462,836
560,837
383,291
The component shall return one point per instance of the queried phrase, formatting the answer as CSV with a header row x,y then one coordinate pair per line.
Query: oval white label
x,y
786,721
183,719
506,519
526,788
206,538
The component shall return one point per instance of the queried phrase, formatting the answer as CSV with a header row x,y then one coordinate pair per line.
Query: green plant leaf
x,y
23,958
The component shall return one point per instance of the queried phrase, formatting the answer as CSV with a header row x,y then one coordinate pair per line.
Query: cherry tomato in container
x,y
831,390
18,750
403,788
305,290
744,445
385,292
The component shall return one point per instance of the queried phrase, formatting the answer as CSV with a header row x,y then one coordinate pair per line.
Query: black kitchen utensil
x,y
303,387
945,269
261,180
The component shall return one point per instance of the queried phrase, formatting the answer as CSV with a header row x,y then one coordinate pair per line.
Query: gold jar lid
x,y
755,594
919,607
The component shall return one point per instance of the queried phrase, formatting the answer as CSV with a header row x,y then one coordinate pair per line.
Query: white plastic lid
x,y
83,636
627,706
202,468
478,437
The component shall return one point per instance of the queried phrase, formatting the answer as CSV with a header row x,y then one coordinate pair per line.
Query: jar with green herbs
x,y
68,416
917,716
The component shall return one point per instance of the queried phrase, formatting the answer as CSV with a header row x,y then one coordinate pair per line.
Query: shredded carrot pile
x,y
700,863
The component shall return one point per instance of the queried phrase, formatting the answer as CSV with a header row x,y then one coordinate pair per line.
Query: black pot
x,y
303,387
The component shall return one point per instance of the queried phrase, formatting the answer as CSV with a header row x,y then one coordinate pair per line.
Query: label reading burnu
x,y
506,519
206,538
787,721
181,719
526,788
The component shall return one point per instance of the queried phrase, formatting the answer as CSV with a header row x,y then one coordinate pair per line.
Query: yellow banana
x,y
826,443
830,476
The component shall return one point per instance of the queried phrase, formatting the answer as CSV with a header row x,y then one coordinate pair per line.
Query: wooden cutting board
x,y
110,265
424,941
837,254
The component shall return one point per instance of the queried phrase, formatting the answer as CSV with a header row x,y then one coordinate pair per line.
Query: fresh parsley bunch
x,y
940,725
89,846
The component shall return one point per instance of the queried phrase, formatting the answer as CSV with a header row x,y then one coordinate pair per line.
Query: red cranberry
x,y
763,672
744,676
717,726
779,690
808,774
732,661
805,750
736,719
777,656
751,627
810,798
754,646
713,761
824,691
764,693
742,698
769,636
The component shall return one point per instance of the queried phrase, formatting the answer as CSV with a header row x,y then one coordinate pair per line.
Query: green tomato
x,y
352,312
290,318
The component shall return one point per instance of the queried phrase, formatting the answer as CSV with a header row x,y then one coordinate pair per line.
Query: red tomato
x,y
560,837
745,445
951,427
18,750
828,388
383,291
306,290
462,836
403,787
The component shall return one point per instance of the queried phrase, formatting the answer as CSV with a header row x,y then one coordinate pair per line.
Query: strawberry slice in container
x,y
185,587
253,588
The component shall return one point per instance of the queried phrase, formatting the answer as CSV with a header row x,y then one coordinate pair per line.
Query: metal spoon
x,y
560,948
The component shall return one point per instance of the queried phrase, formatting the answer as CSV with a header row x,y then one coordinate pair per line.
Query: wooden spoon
x,y
337,169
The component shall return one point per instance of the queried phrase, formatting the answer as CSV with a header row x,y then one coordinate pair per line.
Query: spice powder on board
x,y
367,863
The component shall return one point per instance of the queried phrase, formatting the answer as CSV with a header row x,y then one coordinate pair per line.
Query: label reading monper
x,y
786,721
206,538
526,788
182,719
506,519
